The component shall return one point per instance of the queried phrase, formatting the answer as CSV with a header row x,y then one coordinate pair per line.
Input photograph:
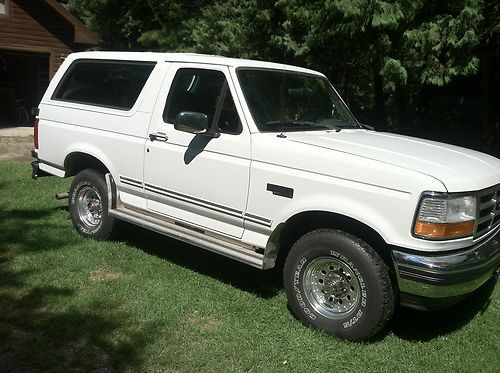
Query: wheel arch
x,y
288,232
77,161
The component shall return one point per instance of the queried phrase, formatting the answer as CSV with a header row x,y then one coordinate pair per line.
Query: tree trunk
x,y
402,102
490,129
378,92
422,106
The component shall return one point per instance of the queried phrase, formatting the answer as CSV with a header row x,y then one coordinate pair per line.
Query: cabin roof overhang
x,y
82,34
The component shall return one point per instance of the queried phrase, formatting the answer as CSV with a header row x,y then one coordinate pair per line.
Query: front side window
x,y
114,84
283,101
203,91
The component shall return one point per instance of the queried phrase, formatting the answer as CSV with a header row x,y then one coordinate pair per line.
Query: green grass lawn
x,y
148,303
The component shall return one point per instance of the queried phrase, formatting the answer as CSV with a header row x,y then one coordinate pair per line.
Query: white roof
x,y
188,58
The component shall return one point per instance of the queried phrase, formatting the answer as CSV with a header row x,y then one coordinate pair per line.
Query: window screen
x,y
203,91
115,84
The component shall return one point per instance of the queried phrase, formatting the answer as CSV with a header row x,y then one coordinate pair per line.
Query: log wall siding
x,y
33,26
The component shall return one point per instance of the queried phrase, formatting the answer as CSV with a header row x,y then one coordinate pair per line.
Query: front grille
x,y
488,210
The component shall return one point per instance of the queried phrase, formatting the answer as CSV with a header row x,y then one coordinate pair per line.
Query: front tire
x,y
88,205
337,283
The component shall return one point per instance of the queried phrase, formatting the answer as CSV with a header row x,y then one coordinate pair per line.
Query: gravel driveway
x,y
16,144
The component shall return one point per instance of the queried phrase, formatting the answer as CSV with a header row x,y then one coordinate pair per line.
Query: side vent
x,y
279,190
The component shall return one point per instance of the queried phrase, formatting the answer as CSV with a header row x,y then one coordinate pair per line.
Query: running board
x,y
195,236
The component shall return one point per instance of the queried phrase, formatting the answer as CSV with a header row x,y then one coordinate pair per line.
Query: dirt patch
x,y
17,149
105,274
210,325
203,323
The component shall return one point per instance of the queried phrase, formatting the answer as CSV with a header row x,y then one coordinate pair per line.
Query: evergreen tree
x,y
384,55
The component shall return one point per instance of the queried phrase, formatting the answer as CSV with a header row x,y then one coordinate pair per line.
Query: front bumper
x,y
447,275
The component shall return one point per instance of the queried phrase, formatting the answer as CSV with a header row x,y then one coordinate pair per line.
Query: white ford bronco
x,y
265,164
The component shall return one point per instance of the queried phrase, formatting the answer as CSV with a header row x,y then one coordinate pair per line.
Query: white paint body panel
x,y
206,179
375,178
458,168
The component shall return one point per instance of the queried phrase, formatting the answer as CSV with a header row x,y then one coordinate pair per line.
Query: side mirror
x,y
193,122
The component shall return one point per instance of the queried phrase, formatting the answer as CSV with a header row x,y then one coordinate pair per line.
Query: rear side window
x,y
114,84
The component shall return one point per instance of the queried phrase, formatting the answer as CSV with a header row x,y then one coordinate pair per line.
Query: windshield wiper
x,y
366,126
287,125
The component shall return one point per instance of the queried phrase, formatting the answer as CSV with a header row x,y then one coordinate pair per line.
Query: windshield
x,y
282,101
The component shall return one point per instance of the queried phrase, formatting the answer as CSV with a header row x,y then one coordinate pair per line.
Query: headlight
x,y
442,216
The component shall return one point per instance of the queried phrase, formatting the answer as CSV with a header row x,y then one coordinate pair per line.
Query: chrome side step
x,y
219,244
194,237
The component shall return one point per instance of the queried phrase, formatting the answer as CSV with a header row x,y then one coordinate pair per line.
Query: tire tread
x,y
381,271
96,178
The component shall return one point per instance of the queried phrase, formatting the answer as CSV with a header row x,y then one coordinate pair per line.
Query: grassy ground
x,y
148,303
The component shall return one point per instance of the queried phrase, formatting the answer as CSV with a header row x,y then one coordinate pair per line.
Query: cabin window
x,y
113,84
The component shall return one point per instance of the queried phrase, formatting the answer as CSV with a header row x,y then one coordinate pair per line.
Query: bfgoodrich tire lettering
x,y
88,205
337,283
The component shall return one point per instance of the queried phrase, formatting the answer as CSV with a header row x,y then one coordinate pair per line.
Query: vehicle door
x,y
194,178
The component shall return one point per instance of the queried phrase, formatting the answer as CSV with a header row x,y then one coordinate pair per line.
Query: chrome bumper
x,y
447,275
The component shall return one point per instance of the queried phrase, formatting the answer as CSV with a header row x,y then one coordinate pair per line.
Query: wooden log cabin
x,y
35,36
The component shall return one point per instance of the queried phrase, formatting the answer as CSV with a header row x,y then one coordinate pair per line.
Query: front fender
x,y
390,216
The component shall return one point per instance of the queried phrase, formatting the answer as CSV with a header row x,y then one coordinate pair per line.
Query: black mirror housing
x,y
192,122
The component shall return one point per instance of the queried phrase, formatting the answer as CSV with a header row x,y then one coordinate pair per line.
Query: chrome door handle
x,y
159,136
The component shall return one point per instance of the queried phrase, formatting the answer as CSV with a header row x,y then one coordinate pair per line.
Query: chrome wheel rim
x,y
89,206
331,287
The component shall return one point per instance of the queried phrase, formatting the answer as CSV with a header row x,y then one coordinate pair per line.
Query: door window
x,y
203,91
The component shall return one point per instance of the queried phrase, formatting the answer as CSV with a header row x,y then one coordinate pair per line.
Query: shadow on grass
x,y
37,337
39,332
421,326
39,329
30,230
265,284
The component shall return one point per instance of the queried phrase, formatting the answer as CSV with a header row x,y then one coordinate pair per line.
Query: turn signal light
x,y
444,230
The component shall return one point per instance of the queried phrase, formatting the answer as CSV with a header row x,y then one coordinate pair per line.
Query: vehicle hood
x,y
459,169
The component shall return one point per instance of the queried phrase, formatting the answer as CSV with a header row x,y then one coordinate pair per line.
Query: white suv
x,y
264,163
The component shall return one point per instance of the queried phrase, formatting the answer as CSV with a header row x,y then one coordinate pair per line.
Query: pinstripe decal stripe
x,y
197,201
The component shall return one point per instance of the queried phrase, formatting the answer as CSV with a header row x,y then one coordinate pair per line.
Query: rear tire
x,y
337,283
88,205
